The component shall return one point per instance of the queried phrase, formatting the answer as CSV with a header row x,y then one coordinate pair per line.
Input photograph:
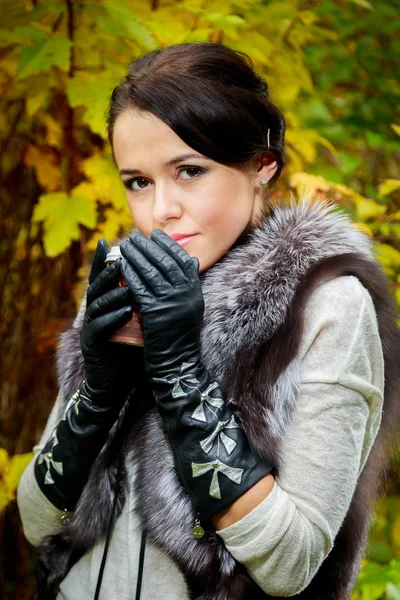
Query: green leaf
x,y
45,53
394,565
201,34
61,215
131,24
23,36
229,24
381,553
349,162
373,591
375,140
93,92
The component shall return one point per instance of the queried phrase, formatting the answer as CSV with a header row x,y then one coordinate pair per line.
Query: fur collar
x,y
254,300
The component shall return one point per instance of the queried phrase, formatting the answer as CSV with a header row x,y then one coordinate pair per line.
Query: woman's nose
x,y
166,206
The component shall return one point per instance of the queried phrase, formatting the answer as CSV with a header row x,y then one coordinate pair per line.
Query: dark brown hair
x,y
210,96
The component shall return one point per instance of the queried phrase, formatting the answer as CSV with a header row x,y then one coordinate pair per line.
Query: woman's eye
x,y
129,184
191,169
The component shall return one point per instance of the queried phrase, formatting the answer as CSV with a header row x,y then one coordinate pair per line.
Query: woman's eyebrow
x,y
173,161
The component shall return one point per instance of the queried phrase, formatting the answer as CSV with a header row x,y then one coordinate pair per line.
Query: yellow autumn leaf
x,y
61,215
292,120
92,91
306,182
255,45
357,199
294,162
3,461
287,94
86,189
345,190
11,470
396,128
362,227
110,228
35,101
54,134
105,183
305,142
388,186
6,495
368,209
17,466
48,174
307,17
395,529
389,256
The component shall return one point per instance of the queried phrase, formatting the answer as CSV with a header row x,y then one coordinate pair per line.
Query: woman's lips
x,y
185,240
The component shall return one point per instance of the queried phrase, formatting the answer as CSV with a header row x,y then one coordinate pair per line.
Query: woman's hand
x,y
164,281
111,369
210,448
111,372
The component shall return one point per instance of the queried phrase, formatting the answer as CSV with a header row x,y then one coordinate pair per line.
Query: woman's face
x,y
177,194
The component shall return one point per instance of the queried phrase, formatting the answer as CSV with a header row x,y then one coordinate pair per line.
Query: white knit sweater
x,y
284,540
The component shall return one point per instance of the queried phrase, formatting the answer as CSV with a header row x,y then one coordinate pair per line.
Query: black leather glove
x,y
111,372
210,448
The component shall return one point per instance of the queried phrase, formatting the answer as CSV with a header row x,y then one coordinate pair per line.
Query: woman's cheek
x,y
140,220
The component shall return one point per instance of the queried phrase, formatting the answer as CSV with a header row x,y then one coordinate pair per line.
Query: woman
x,y
239,453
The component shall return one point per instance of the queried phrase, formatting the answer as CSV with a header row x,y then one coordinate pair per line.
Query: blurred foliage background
x,y
331,66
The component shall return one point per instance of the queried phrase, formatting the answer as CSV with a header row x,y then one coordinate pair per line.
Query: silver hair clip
x,y
268,138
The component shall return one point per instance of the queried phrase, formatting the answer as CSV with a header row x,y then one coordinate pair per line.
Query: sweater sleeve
x,y
39,517
284,540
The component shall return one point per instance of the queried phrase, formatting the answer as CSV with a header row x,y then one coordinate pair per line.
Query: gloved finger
x,y
98,262
100,329
112,300
163,261
107,280
197,263
178,252
142,294
149,271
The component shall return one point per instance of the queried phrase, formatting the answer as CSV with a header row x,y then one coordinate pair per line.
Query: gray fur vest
x,y
254,301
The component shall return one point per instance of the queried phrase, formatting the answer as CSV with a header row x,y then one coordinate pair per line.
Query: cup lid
x,y
114,253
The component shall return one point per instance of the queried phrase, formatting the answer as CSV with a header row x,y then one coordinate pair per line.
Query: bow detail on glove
x,y
210,448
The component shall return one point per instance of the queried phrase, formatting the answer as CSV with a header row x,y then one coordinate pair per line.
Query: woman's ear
x,y
268,165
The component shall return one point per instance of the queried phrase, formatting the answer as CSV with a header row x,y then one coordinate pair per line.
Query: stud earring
x,y
263,181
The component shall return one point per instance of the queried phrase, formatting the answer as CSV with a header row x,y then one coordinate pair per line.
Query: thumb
x,y
99,258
